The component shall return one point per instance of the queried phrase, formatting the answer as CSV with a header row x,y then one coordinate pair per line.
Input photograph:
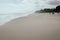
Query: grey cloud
x,y
54,2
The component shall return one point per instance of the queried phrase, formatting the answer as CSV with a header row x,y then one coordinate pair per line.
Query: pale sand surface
x,y
32,27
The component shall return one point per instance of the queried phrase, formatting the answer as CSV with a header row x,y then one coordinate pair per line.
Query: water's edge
x,y
6,18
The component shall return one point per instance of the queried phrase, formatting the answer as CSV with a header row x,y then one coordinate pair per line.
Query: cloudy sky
x,y
21,6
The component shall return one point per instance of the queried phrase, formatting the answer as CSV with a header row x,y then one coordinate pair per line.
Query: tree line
x,y
50,10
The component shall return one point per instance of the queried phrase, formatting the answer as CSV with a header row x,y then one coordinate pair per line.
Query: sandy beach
x,y
32,27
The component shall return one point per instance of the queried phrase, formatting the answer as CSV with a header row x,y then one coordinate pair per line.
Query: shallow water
x,y
8,17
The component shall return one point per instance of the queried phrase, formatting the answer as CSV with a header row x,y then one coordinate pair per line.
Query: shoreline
x,y
27,16
32,27
14,18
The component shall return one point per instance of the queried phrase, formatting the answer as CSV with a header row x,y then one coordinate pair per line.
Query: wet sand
x,y
33,27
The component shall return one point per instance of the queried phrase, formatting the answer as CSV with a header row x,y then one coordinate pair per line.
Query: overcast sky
x,y
20,6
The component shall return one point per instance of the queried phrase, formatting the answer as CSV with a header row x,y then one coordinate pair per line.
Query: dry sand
x,y
32,27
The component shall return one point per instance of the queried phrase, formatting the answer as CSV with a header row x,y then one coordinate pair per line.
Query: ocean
x,y
4,18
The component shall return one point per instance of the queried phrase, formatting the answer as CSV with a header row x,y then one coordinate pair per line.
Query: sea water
x,y
10,10
4,18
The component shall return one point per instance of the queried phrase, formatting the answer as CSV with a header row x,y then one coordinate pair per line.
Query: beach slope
x,y
33,27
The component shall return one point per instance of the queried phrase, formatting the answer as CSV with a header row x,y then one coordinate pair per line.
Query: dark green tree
x,y
50,10
58,9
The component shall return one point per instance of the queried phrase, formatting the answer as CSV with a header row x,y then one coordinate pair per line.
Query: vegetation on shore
x,y
49,10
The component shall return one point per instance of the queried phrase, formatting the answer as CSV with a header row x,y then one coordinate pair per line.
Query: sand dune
x,y
33,27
